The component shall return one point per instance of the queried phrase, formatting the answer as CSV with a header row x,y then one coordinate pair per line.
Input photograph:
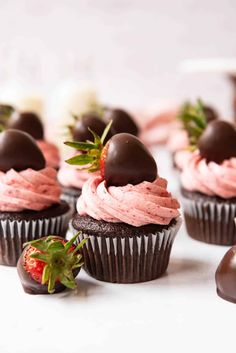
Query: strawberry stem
x,y
194,120
93,150
60,259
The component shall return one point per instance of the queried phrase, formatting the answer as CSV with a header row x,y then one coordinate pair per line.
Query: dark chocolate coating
x,y
226,276
121,122
128,161
80,131
218,141
28,122
18,150
30,286
210,113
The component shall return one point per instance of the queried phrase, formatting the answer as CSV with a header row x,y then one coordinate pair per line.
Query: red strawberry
x,y
123,160
49,264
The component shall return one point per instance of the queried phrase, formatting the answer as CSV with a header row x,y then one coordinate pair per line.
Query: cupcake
x,y
31,123
209,186
192,119
30,206
125,211
72,177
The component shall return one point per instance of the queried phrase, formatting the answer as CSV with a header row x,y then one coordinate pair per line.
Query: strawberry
x,y
49,264
123,160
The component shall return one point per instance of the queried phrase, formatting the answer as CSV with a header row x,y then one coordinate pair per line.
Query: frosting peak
x,y
28,190
210,178
137,205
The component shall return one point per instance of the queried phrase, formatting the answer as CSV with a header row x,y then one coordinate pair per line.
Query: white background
x,y
131,51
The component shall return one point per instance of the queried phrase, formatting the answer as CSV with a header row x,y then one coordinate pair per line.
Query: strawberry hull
x,y
30,286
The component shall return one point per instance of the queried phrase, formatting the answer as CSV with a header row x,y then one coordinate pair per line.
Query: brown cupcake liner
x,y
209,221
14,233
134,259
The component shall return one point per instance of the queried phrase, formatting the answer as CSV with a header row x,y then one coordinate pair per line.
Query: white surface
x,y
179,312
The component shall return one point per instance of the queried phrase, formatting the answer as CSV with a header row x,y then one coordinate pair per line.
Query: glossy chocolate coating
x,y
30,286
226,276
80,131
218,141
28,122
128,161
18,150
210,113
121,122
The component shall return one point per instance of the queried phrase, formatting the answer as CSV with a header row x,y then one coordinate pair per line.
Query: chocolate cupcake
x,y
209,186
30,206
125,211
31,123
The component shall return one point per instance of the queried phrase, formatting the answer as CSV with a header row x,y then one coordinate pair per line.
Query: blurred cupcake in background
x,y
192,118
72,177
208,184
31,123
155,125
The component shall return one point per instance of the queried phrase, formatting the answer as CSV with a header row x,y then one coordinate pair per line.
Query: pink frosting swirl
x,y
178,140
210,178
50,152
137,205
28,190
181,158
72,176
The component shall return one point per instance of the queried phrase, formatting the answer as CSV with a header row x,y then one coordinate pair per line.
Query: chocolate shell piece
x,y
80,131
218,141
121,122
226,276
19,151
28,122
128,161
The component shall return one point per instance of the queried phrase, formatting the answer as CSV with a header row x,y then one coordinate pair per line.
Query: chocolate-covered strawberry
x,y
49,265
123,160
218,141
81,130
28,122
18,150
121,121
195,118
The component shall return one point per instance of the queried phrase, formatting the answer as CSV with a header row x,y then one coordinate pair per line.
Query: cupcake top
x,y
31,123
211,169
193,119
25,183
127,187
211,178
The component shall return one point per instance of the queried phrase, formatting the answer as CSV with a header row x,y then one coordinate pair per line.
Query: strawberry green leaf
x,y
80,160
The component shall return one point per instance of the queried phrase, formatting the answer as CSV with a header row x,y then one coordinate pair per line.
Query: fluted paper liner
x,y
209,221
13,234
133,259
